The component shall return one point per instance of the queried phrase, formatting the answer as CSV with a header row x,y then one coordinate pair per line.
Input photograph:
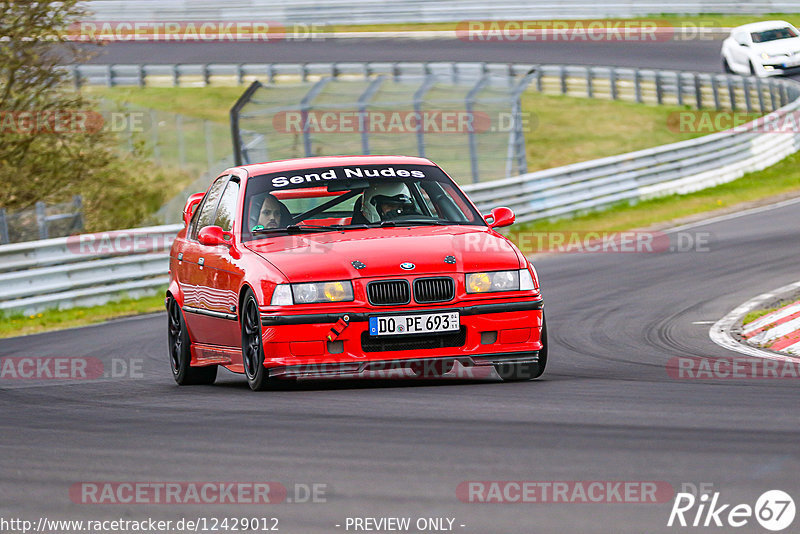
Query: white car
x,y
763,49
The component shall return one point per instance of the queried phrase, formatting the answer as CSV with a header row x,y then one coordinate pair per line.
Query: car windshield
x,y
773,35
353,197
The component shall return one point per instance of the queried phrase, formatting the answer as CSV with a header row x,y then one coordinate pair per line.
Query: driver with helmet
x,y
387,201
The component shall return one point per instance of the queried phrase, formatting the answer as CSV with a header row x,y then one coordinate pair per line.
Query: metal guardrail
x,y
58,272
84,270
412,11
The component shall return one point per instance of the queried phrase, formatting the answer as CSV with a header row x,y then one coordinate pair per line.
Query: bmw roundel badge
x,y
407,265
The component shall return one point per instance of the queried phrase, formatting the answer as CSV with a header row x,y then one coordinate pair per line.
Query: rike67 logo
x,y
774,510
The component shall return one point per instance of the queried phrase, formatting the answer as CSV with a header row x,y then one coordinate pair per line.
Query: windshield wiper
x,y
299,228
387,224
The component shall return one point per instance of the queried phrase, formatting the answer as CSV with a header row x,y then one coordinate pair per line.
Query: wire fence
x,y
358,92
472,128
43,221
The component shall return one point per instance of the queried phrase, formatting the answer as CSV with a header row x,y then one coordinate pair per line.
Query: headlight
x,y
340,291
764,55
494,281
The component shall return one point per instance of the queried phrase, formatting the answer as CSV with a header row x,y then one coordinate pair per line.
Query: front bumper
x,y
481,366
309,344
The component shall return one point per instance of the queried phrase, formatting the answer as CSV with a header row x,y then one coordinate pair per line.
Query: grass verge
x,y
20,325
755,314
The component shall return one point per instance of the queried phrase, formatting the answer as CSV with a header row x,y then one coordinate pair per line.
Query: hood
x,y
329,256
781,46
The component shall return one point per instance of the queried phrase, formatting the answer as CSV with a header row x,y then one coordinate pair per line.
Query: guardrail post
x,y
419,94
612,80
698,93
760,90
731,92
141,75
539,75
715,92
3,227
679,87
637,85
206,75
748,103
659,88
589,85
77,221
239,74
110,76
76,77
562,73
772,95
473,145
41,219
176,76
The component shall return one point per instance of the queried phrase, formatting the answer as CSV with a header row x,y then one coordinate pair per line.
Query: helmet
x,y
386,201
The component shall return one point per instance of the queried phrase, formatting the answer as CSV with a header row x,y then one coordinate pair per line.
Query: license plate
x,y
394,325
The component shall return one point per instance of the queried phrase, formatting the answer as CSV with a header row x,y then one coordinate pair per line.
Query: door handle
x,y
201,261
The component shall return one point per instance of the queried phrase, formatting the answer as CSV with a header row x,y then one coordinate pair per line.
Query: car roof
x,y
761,26
256,169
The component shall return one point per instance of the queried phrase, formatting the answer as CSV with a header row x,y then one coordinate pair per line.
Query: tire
x,y
180,354
253,347
726,67
510,372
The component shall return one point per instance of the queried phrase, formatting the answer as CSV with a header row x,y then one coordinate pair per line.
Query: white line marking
x,y
720,333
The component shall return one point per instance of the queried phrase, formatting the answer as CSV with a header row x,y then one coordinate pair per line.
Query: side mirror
x,y
500,217
191,203
214,235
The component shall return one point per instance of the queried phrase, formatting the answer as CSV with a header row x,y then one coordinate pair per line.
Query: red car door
x,y
220,277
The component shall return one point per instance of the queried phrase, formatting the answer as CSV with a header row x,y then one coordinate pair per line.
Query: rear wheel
x,y
526,371
253,347
180,354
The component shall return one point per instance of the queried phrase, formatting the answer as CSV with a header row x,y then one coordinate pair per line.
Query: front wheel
x,y
180,354
726,66
253,347
526,371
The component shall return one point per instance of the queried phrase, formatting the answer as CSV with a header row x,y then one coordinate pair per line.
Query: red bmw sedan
x,y
356,266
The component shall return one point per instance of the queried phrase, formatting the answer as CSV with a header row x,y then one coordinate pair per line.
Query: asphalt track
x,y
606,409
